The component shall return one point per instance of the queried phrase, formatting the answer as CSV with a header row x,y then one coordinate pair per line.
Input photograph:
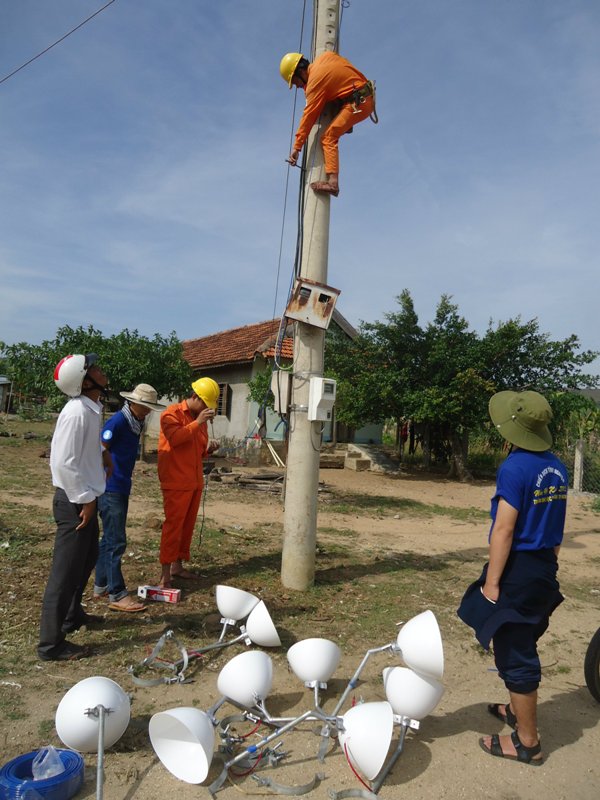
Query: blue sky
x,y
143,174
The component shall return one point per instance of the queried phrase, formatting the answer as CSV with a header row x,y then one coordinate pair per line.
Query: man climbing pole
x,y
330,78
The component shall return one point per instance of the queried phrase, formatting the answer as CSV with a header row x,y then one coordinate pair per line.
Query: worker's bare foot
x,y
325,187
165,578
184,573
179,571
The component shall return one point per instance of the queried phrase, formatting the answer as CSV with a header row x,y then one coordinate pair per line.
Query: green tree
x,y
127,358
368,390
453,386
441,376
259,388
518,355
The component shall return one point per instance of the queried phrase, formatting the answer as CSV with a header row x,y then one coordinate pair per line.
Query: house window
x,y
224,404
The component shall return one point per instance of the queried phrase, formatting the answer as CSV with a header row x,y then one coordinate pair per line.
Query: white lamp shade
x,y
410,694
78,730
314,659
247,678
234,603
367,735
184,740
421,644
260,627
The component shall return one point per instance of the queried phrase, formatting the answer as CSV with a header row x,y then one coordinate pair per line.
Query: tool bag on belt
x,y
358,97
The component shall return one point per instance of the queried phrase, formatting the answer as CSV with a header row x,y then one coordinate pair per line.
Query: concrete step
x,y
358,464
331,461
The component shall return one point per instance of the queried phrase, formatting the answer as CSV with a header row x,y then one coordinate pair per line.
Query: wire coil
x,y
16,778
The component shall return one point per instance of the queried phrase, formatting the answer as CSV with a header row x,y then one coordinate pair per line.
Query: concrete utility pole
x,y
302,479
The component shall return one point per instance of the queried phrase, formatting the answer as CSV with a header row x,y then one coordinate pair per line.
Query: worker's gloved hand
x,y
293,159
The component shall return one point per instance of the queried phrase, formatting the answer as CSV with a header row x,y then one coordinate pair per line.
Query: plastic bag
x,y
46,763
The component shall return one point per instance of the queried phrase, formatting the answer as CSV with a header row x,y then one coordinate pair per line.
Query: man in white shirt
x,y
78,468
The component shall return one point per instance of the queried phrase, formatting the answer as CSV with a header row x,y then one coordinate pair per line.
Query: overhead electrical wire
x,y
292,128
58,41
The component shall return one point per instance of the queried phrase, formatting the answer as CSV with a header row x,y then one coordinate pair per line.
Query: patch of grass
x,y
17,427
24,530
339,532
10,442
45,729
11,707
341,503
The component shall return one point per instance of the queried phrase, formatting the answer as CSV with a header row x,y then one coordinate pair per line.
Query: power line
x,y
58,41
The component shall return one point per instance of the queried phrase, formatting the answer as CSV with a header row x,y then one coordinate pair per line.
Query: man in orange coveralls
x,y
329,78
182,445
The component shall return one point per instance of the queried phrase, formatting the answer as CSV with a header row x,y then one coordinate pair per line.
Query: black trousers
x,y
74,558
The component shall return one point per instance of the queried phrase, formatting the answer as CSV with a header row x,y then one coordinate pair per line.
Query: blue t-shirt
x,y
123,445
536,485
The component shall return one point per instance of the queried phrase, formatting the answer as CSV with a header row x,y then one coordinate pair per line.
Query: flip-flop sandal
x,y
525,755
508,717
132,608
324,188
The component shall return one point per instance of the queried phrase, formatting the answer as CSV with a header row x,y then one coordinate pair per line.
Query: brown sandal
x,y
132,607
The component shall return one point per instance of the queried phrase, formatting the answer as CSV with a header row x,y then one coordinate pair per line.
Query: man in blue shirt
x,y
121,436
512,601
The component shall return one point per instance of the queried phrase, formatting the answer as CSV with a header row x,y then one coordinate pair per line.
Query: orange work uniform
x,y
182,445
331,77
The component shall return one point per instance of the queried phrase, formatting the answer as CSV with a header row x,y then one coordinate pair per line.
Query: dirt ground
x,y
441,760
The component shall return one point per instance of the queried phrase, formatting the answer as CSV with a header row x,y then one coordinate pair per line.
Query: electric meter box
x,y
312,303
321,399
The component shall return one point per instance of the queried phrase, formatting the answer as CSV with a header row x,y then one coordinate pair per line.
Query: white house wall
x,y
238,425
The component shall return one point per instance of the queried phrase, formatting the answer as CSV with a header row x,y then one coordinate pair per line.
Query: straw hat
x,y
144,395
522,419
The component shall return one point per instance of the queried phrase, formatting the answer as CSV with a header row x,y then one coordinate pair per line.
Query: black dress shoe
x,y
92,619
89,620
68,652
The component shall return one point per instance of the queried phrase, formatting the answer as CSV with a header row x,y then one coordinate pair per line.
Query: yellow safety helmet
x,y
207,390
288,66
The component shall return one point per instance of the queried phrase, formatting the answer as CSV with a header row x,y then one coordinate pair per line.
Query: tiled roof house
x,y
236,346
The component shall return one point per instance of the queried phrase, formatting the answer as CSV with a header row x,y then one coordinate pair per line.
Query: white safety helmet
x,y
70,372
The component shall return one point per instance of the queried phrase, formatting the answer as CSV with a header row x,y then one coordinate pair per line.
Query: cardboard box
x,y
159,594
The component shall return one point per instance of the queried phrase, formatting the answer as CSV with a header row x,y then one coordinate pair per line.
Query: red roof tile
x,y
240,345
236,346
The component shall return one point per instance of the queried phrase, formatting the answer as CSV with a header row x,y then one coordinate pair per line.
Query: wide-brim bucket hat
x,y
522,419
144,395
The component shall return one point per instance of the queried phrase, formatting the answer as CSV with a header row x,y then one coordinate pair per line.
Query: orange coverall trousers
x,y
342,123
181,510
